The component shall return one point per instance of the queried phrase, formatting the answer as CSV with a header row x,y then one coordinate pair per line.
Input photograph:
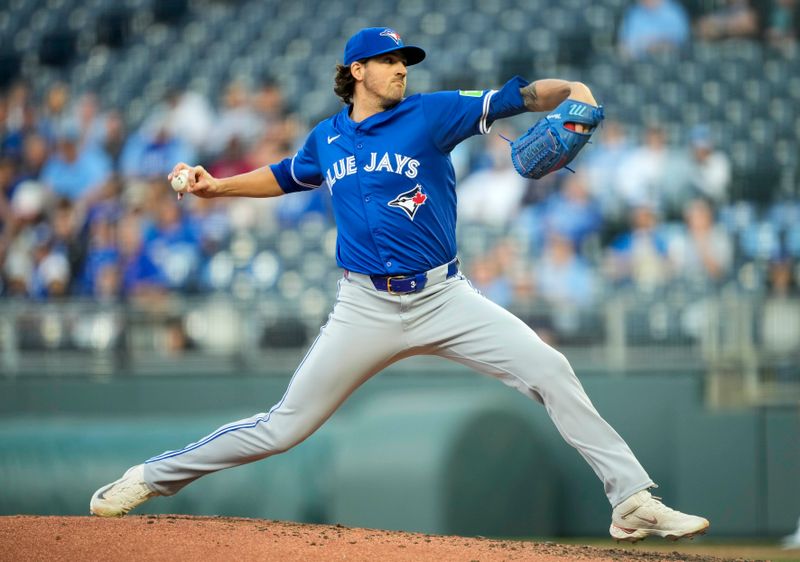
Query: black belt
x,y
413,282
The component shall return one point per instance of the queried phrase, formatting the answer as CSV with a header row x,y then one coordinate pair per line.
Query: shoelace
x,y
655,503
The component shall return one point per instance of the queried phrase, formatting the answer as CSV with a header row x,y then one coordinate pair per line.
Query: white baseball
x,y
181,181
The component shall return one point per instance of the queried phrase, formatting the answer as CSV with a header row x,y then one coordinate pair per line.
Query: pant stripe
x,y
249,425
222,431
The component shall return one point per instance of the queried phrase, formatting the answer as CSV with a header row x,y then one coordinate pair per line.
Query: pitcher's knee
x,y
556,369
548,362
276,442
543,368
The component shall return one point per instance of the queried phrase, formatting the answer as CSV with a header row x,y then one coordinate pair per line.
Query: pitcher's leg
x,y
349,349
493,341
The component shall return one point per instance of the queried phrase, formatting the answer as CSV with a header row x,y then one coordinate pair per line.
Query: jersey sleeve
x,y
457,115
302,171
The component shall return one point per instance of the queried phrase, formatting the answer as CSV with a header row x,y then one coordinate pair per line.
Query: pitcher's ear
x,y
357,70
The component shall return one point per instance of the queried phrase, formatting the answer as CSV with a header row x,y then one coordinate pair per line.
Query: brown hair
x,y
344,84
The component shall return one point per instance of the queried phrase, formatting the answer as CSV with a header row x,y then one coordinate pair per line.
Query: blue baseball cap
x,y
374,41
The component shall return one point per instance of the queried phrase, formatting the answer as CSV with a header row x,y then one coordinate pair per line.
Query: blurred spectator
x,y
51,273
268,103
567,284
172,244
211,221
25,124
647,178
570,212
703,171
140,276
276,143
74,172
782,23
67,241
25,231
86,116
17,104
735,18
152,152
35,154
492,195
7,231
56,119
499,274
186,116
238,121
175,340
314,204
4,127
780,318
604,166
703,252
561,277
231,161
650,26
107,283
486,276
108,200
112,139
8,172
639,256
101,259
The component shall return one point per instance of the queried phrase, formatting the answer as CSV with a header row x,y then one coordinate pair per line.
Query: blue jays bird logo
x,y
410,201
391,33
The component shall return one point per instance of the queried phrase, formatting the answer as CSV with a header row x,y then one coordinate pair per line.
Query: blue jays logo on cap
x,y
393,34
373,41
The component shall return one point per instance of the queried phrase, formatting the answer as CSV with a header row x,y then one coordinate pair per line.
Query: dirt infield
x,y
173,537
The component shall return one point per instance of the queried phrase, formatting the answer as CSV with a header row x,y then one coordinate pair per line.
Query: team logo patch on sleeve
x,y
471,93
410,201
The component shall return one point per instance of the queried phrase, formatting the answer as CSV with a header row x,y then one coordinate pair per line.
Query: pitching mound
x,y
171,537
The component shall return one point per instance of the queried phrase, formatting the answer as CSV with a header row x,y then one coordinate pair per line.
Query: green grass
x,y
749,549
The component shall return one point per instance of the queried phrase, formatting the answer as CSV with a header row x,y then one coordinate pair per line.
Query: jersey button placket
x,y
359,146
360,163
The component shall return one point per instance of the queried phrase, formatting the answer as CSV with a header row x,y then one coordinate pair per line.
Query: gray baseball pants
x,y
447,318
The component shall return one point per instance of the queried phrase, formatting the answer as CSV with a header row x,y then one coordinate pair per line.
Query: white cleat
x,y
791,542
643,515
121,496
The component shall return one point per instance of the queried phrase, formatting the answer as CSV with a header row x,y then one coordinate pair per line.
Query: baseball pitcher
x,y
385,158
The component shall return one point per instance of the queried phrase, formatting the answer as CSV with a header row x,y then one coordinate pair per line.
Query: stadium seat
x,y
760,241
57,48
9,67
792,241
170,11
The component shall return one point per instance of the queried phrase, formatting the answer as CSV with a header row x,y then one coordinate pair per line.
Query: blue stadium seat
x,y
792,241
760,241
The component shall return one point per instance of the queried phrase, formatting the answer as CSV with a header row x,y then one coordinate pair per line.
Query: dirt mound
x,y
170,538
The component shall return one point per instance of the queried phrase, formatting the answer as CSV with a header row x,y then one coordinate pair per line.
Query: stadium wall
x,y
418,451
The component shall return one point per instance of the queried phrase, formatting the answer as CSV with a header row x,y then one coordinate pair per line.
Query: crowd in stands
x,y
85,208
650,26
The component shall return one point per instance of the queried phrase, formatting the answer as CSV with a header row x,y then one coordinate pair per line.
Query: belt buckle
x,y
389,284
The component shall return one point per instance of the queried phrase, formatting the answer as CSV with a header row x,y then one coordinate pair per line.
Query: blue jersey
x,y
390,176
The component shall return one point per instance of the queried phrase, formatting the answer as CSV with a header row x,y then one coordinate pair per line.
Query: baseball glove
x,y
553,142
